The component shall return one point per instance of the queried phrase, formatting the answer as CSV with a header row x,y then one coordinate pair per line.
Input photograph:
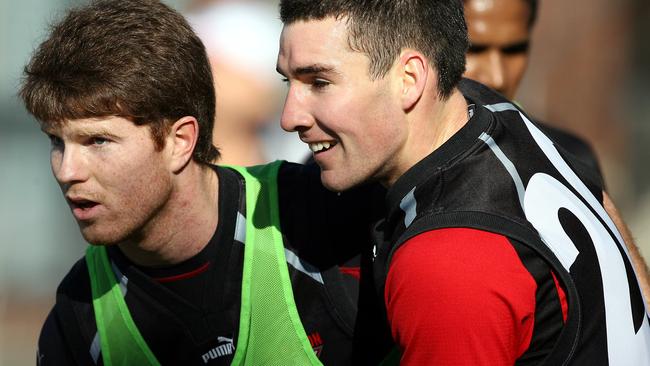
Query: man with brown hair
x,y
123,89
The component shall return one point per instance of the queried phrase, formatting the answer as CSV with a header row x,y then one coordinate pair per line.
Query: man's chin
x,y
335,182
95,236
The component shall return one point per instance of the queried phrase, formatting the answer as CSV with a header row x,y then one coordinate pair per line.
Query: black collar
x,y
442,157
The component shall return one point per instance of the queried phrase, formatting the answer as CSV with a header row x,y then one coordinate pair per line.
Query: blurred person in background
x,y
241,39
123,89
500,34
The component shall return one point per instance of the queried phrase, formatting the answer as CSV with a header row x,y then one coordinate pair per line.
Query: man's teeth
x,y
319,146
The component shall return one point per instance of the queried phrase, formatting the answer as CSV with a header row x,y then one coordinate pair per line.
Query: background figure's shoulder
x,y
479,93
583,159
577,147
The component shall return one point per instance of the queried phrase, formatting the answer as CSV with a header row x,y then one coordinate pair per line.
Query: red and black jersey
x,y
189,313
496,250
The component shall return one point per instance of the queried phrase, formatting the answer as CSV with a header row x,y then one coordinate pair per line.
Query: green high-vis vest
x,y
270,330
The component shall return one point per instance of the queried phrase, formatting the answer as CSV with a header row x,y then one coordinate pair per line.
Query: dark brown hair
x,y
136,59
382,28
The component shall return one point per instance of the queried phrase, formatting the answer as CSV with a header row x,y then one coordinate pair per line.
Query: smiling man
x,y
498,247
189,263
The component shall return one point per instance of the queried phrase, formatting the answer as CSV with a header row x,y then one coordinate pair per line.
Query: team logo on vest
x,y
226,347
316,343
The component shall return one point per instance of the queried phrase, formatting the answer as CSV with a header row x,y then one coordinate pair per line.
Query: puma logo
x,y
226,347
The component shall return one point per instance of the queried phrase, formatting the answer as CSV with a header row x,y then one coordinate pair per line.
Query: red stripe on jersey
x,y
351,271
185,275
315,340
460,296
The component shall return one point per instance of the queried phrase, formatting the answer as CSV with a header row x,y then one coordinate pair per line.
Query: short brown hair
x,y
136,59
382,28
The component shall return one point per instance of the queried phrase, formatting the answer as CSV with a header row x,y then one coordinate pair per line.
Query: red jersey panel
x,y
460,296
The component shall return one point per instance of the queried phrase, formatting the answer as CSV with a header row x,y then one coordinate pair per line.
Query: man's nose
x,y
69,165
295,115
496,72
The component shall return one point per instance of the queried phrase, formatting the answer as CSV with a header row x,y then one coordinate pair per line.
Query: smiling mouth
x,y
317,147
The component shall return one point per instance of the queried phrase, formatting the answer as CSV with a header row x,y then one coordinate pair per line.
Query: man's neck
x,y
449,118
181,228
429,128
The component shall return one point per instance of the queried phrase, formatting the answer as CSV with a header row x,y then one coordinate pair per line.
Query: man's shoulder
x,y
68,329
291,177
463,243
466,263
74,295
300,176
76,283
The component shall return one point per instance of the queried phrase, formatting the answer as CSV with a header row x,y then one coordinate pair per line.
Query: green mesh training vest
x,y
270,330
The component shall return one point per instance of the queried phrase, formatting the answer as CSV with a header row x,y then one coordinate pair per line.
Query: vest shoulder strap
x,y
120,340
270,329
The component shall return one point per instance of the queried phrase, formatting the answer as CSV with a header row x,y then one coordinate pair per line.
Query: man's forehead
x,y
503,19
314,35
314,44
85,125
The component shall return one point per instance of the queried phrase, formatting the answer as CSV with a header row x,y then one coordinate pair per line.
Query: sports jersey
x,y
188,314
496,250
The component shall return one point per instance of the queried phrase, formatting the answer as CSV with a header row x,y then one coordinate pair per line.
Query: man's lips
x,y
83,209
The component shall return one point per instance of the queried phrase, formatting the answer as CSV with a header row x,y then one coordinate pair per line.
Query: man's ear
x,y
182,137
414,74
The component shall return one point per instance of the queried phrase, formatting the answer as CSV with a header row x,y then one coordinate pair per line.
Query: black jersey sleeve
x,y
67,333
327,228
52,347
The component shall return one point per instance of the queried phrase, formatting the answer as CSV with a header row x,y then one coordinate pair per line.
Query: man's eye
x,y
476,49
320,83
99,141
517,48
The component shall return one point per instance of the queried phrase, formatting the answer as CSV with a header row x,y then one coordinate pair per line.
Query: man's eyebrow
x,y
514,47
313,69
310,70
96,132
517,47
